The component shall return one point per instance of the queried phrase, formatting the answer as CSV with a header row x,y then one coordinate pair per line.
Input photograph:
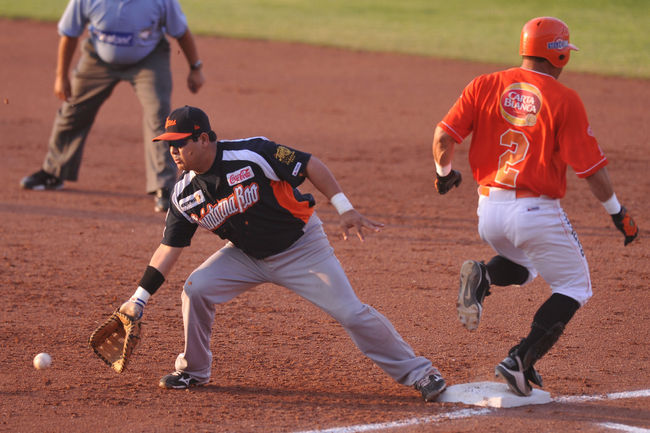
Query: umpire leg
x,y
152,81
92,83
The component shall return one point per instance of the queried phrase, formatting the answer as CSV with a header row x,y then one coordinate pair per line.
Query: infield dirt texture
x,y
68,258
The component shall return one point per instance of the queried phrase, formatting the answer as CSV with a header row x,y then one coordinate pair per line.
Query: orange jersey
x,y
526,128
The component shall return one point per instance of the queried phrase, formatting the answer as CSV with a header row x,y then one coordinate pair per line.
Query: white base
x,y
491,394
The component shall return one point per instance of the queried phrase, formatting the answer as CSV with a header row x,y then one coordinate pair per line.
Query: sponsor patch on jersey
x,y
240,175
190,201
296,169
285,155
520,103
212,216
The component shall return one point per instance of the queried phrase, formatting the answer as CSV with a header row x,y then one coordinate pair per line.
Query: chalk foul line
x,y
467,413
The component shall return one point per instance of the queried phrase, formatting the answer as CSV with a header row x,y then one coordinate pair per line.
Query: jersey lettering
x,y
212,216
517,145
112,38
520,104
240,175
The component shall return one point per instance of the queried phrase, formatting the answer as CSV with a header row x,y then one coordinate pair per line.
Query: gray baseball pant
x,y
92,83
310,269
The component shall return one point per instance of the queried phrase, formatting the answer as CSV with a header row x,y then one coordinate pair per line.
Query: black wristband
x,y
151,280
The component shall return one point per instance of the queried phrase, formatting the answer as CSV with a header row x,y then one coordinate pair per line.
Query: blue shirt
x,y
123,31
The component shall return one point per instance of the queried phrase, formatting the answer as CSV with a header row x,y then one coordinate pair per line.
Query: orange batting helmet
x,y
546,37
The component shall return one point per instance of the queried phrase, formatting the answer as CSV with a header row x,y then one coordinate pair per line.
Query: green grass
x,y
611,34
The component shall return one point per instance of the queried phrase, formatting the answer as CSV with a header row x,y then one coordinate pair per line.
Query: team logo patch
x,y
119,39
558,44
240,175
285,155
190,201
520,103
212,216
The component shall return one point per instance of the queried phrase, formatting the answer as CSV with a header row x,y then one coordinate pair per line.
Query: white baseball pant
x,y
536,233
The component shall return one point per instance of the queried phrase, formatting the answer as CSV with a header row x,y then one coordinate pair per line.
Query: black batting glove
x,y
444,183
626,225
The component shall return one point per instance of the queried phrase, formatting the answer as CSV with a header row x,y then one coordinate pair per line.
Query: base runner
x,y
526,128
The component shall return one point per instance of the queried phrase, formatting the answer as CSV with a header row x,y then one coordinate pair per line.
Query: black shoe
x,y
41,180
180,380
474,287
161,200
511,368
431,385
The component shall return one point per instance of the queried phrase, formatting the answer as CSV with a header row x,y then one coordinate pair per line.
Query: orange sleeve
x,y
578,145
458,122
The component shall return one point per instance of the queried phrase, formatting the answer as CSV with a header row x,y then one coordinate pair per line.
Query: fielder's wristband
x,y
140,297
341,203
151,280
612,206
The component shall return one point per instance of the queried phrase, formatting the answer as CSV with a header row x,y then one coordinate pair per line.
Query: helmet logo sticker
x,y
558,44
520,103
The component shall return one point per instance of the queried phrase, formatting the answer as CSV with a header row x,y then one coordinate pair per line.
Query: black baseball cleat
x,y
41,180
474,287
161,200
510,369
431,385
180,380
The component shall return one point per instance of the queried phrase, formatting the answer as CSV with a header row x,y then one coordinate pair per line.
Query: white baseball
x,y
42,361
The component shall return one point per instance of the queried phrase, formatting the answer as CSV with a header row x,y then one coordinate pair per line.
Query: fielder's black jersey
x,y
249,196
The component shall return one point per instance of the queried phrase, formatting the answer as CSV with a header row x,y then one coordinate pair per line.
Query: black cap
x,y
185,122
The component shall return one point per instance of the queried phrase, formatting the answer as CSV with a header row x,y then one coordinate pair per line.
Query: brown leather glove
x,y
115,339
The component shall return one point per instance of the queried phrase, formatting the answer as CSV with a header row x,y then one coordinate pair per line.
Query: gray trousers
x,y
310,269
92,83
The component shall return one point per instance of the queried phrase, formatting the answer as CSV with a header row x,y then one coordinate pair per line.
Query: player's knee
x,y
193,286
504,272
351,317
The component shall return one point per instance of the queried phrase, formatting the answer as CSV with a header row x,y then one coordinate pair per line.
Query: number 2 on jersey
x,y
517,145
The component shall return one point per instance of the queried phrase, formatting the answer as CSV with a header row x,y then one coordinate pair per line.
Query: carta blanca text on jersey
x,y
525,103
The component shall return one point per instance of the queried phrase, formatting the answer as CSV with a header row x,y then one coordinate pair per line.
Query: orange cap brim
x,y
172,136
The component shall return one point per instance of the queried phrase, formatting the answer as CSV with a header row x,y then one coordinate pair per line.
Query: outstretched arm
x,y
323,179
160,265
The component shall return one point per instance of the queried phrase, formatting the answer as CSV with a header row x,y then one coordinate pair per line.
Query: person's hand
x,y
132,309
62,88
353,219
626,225
444,183
195,80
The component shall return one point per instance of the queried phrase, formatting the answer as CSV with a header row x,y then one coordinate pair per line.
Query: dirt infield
x,y
68,258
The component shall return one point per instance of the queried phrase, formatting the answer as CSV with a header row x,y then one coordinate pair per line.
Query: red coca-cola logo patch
x,y
240,175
